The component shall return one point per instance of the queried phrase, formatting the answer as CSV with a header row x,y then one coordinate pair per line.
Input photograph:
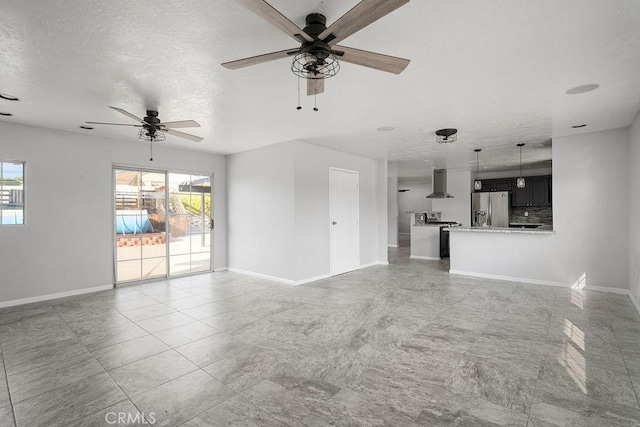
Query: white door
x,y
344,221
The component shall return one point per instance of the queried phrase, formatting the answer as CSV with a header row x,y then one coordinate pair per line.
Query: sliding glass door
x,y
161,216
190,223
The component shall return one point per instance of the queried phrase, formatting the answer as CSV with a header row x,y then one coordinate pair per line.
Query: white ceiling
x,y
496,70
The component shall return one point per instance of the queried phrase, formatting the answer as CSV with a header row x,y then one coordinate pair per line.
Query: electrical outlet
x,y
526,214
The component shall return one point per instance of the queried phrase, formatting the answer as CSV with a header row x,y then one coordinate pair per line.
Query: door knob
x,y
333,223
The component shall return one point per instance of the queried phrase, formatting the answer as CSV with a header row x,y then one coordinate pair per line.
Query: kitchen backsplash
x,y
542,215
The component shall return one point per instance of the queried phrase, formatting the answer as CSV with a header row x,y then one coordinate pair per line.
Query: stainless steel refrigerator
x,y
490,209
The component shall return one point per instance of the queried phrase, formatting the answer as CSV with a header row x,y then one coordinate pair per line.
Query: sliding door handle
x,y
333,223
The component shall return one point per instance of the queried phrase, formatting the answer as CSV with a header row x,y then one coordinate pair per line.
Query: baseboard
x,y
370,264
607,289
312,279
428,258
54,296
538,282
634,302
392,246
405,234
261,276
296,282
217,270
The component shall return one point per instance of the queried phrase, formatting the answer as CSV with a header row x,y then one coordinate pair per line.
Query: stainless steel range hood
x,y
440,185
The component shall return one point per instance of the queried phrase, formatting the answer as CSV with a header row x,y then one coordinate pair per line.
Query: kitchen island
x,y
425,241
514,254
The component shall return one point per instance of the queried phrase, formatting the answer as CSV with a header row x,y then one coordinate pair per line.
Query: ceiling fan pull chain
x,y
315,95
299,106
151,158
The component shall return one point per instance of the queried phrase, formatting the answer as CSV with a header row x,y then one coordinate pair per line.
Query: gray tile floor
x,y
401,345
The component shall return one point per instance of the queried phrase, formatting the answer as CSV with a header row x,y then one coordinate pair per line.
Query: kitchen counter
x,y
502,230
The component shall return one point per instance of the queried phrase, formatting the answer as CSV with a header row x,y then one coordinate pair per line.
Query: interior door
x,y
344,201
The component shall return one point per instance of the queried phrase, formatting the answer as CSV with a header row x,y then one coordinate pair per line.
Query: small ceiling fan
x,y
152,129
316,59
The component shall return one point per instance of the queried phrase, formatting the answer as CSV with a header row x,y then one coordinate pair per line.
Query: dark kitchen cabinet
x,y
537,192
497,184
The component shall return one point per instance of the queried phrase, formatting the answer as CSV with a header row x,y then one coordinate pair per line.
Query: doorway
x,y
344,211
162,224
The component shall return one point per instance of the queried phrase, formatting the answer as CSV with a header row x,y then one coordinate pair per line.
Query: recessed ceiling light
x,y
386,128
578,126
85,127
8,97
5,114
583,89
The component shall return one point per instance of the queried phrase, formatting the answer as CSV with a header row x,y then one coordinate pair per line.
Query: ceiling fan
x,y
152,129
316,58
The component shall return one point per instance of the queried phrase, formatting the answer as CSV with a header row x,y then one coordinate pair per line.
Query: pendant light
x,y
520,182
477,184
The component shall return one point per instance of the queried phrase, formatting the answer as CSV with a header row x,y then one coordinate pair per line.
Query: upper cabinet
x,y
503,184
537,192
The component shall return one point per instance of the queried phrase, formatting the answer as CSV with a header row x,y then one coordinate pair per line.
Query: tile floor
x,y
400,345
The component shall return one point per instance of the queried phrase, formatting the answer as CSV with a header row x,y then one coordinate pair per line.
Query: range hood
x,y
440,185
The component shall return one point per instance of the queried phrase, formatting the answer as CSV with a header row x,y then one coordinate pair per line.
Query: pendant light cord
x,y
521,161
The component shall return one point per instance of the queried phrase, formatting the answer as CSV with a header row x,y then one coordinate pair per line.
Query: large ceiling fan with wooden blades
x,y
152,129
316,58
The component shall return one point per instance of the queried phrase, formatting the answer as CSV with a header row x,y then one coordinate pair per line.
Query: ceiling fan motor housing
x,y
316,24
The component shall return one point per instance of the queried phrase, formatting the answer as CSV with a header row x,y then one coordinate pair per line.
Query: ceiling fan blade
x,y
114,124
315,86
361,15
182,135
254,60
180,124
275,18
378,61
128,114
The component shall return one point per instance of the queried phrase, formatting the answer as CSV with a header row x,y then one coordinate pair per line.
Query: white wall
x,y
312,207
382,191
393,216
459,208
590,180
288,184
634,209
414,200
67,242
261,210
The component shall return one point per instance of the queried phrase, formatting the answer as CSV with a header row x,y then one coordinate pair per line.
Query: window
x,y
11,193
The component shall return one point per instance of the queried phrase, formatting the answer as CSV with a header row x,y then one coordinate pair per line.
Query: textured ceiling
x,y
497,70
